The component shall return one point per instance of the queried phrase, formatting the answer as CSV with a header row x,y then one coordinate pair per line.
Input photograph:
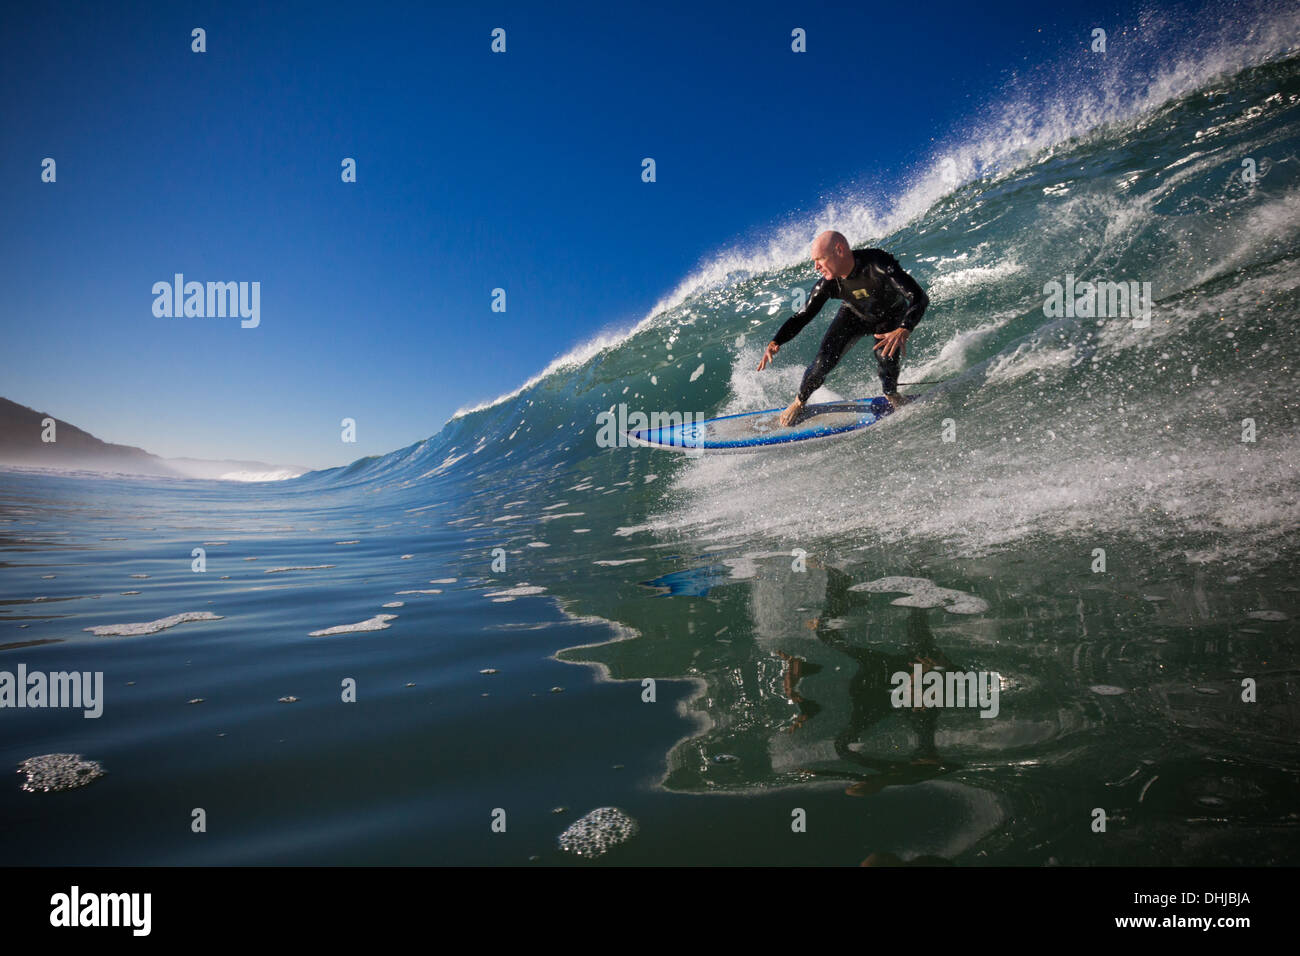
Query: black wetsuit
x,y
878,297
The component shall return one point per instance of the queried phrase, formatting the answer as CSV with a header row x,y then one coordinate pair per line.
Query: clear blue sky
x,y
475,170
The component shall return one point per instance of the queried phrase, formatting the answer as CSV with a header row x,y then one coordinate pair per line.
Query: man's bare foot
x,y
895,400
791,413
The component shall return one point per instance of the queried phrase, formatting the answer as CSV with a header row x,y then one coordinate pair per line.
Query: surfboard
x,y
761,431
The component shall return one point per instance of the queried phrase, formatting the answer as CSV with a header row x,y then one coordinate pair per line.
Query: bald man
x,y
880,299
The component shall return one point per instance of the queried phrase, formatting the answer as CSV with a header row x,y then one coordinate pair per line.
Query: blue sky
x,y
475,171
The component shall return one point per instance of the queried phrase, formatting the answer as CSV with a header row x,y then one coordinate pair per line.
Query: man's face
x,y
824,260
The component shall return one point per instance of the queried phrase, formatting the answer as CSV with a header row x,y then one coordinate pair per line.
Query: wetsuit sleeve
x,y
794,325
911,291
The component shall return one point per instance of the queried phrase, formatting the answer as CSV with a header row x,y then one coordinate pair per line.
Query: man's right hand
x,y
768,354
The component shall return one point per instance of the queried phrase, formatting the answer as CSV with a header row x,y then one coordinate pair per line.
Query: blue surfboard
x,y
761,431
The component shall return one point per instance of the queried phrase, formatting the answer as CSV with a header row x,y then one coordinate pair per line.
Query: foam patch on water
x,y
598,832
1030,358
963,280
279,474
54,772
922,592
151,627
523,590
377,623
448,461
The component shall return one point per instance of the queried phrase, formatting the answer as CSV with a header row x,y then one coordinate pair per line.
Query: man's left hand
x,y
891,342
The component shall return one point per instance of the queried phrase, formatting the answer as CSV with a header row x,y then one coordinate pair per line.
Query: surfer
x,y
879,298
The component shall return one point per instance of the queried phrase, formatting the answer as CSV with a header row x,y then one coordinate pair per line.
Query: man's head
x,y
831,255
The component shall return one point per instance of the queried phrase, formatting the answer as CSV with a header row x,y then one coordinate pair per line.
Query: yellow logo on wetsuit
x,y
861,294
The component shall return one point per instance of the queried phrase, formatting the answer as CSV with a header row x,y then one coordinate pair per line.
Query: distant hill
x,y
77,450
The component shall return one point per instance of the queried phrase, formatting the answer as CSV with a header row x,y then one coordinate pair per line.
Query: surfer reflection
x,y
870,691
794,670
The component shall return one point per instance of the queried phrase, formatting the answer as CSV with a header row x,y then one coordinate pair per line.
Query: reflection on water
x,y
1107,699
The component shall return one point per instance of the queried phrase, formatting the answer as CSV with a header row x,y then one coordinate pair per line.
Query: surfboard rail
x,y
749,432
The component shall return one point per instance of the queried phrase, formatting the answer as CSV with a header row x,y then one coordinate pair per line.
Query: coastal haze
x,y
32,439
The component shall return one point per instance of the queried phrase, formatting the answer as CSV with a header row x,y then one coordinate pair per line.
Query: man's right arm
x,y
795,324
